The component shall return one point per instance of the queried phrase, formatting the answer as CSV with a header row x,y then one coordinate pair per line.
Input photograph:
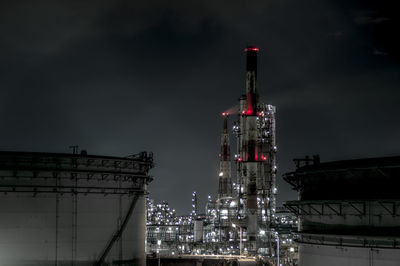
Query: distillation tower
x,y
224,203
239,220
225,172
255,162
250,202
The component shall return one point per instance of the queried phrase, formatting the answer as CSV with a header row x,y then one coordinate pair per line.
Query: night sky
x,y
120,77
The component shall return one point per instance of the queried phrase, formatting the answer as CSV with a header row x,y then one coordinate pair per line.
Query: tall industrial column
x,y
224,200
249,148
225,175
255,162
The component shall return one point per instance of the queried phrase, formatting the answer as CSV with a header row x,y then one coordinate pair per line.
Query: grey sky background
x,y
118,77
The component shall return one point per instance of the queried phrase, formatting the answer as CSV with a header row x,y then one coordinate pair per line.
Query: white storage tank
x,y
72,209
349,212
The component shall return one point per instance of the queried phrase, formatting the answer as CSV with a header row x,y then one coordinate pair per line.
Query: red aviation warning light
x,y
249,111
252,48
225,114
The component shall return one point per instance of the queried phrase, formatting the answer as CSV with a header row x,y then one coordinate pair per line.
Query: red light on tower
x,y
252,48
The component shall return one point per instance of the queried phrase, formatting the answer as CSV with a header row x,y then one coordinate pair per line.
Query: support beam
x,y
339,211
119,230
315,209
391,209
360,211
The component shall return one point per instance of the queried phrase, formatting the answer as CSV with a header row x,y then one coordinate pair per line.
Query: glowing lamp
x,y
254,49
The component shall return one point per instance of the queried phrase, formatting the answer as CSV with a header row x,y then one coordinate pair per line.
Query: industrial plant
x,y
80,209
243,220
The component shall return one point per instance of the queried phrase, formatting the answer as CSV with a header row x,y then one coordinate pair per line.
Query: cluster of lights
x,y
182,234
166,232
285,220
194,204
176,233
160,214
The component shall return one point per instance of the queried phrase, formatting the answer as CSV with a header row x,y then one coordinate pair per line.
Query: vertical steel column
x,y
57,218
74,220
120,255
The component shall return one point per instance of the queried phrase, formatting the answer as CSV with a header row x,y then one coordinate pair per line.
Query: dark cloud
x,y
118,77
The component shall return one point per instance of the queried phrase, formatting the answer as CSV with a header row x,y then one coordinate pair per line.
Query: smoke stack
x,y
251,79
225,128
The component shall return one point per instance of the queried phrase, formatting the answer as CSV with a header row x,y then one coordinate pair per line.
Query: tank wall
x,y
134,237
337,184
313,255
372,215
28,229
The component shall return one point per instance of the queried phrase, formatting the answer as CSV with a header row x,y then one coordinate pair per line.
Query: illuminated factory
x,y
242,220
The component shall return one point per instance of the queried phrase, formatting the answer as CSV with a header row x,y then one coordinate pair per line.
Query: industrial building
x,y
73,209
243,219
349,211
170,235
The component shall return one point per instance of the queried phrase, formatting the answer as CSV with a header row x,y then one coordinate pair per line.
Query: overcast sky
x,y
120,77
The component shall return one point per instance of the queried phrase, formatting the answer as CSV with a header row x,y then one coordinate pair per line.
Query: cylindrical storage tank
x,y
65,209
342,255
348,212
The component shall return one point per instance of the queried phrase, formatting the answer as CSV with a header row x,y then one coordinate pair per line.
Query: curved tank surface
x,y
73,209
349,212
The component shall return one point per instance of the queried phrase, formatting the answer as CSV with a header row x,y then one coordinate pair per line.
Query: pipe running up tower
x,y
225,175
